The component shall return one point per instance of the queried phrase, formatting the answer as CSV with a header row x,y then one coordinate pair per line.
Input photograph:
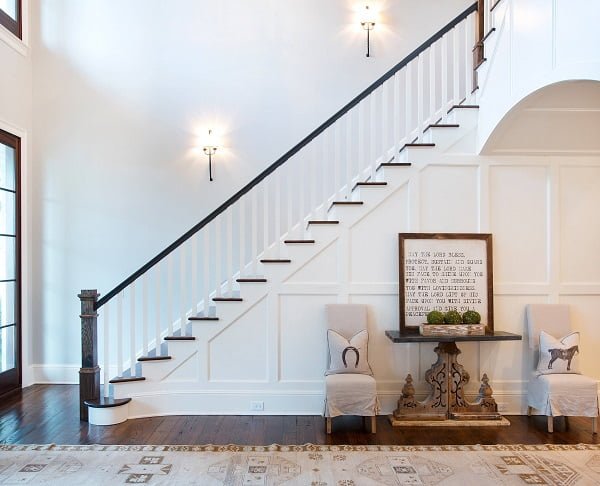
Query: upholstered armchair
x,y
556,387
350,388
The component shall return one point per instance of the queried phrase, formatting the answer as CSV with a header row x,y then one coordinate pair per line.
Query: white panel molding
x,y
414,203
525,151
522,288
483,194
579,288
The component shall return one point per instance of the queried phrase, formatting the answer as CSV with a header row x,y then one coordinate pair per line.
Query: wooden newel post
x,y
89,374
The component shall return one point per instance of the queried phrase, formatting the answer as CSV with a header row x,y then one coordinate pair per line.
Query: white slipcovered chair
x,y
349,393
560,394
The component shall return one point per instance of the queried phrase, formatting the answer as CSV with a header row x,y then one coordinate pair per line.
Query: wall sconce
x,y
209,149
368,22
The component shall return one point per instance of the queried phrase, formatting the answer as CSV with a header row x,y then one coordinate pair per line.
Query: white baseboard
x,y
59,374
55,374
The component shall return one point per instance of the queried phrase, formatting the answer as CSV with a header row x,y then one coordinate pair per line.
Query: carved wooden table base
x,y
446,400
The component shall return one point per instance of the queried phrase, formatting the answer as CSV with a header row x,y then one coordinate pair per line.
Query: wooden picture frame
x,y
441,271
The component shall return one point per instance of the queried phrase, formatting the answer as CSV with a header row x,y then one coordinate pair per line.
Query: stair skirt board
x,y
234,402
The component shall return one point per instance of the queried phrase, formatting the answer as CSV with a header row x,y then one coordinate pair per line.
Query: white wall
x,y
536,43
121,92
16,118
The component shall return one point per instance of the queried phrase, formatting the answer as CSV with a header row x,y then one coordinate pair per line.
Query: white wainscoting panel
x,y
518,213
580,231
377,234
303,337
449,199
240,352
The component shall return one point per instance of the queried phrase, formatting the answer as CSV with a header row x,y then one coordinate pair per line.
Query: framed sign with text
x,y
445,271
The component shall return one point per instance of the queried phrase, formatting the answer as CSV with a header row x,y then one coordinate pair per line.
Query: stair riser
x,y
444,137
301,251
347,215
228,311
418,155
155,371
202,330
465,117
394,175
181,348
250,291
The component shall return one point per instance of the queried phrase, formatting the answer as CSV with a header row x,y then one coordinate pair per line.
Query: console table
x,y
447,378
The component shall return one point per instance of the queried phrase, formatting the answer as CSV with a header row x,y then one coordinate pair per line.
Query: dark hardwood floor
x,y
44,414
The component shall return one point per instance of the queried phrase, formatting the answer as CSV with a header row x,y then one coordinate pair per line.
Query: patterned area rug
x,y
312,465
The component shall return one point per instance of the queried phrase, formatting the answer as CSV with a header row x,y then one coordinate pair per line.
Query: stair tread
x,y
480,63
417,145
203,318
298,241
463,106
154,358
180,338
247,280
394,164
442,125
125,379
107,402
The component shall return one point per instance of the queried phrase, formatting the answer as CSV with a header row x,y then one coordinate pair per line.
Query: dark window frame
x,y
12,25
12,379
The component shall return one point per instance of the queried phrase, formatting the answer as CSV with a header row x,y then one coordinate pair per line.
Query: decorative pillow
x,y
348,356
558,355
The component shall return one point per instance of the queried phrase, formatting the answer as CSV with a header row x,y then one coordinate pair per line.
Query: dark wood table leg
x,y
446,400
435,406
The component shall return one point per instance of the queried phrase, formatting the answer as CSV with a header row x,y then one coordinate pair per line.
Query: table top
x,y
415,337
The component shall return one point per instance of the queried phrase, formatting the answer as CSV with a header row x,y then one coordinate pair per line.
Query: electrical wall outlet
x,y
257,406
502,407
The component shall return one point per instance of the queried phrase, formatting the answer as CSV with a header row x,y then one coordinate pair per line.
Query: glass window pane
x,y
9,7
7,257
7,348
7,303
7,166
7,213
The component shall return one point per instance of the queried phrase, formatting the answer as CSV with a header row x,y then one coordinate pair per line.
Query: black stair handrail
x,y
294,150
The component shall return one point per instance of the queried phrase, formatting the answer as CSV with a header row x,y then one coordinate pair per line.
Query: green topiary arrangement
x,y
435,317
452,317
471,317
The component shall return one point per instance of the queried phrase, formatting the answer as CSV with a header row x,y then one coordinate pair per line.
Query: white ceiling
x,y
563,118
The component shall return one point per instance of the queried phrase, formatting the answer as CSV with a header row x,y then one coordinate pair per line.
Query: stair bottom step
x,y
105,402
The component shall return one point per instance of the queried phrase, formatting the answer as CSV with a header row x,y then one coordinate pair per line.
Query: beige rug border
x,y
298,448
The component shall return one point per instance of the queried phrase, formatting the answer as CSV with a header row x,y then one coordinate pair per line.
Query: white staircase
x,y
230,269
178,382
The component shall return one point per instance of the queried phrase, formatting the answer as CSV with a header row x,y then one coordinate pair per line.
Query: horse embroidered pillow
x,y
558,355
348,356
